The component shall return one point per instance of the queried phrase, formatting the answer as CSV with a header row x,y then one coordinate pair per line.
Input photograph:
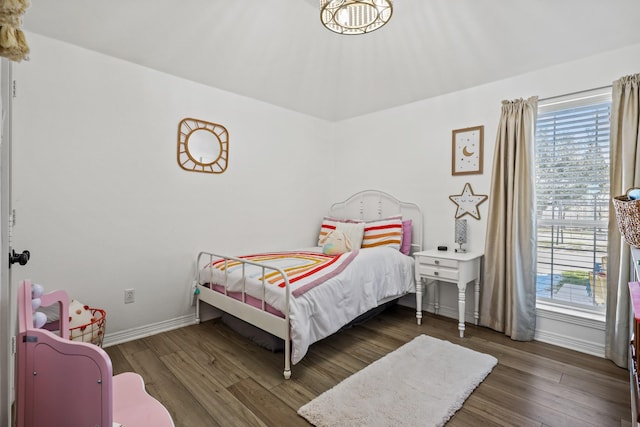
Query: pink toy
x,y
69,383
39,319
36,290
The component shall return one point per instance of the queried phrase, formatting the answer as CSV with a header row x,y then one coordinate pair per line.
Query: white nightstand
x,y
449,267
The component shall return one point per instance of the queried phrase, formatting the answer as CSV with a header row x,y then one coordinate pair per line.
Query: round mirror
x,y
202,146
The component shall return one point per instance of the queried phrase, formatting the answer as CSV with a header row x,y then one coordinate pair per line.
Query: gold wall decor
x,y
467,202
202,146
467,151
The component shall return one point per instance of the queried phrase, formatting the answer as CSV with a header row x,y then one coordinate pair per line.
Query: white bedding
x,y
374,275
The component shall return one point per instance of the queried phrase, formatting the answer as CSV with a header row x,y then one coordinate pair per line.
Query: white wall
x,y
407,150
102,204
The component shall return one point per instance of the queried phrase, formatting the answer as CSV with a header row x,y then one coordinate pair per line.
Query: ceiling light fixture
x,y
355,16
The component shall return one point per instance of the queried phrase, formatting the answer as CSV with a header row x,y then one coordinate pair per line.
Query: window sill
x,y
571,315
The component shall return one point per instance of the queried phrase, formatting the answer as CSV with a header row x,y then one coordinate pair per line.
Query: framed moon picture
x,y
466,151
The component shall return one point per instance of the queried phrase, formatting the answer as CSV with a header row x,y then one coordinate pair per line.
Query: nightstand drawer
x,y
438,262
438,272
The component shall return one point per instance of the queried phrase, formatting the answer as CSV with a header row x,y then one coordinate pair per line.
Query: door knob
x,y
21,259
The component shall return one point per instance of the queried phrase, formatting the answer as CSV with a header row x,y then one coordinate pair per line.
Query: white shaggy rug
x,y
422,383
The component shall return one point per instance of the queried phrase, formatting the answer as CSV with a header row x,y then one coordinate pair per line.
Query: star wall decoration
x,y
468,202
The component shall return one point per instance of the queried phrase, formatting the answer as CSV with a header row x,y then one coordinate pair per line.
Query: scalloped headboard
x,y
373,204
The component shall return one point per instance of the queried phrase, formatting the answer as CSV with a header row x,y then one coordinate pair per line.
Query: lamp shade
x,y
355,16
461,231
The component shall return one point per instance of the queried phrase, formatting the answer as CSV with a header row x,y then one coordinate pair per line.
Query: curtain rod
x,y
574,93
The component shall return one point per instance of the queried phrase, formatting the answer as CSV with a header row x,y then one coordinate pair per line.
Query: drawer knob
x,y
437,262
435,273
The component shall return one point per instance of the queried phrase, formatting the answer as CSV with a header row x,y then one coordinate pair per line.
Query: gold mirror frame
x,y
214,162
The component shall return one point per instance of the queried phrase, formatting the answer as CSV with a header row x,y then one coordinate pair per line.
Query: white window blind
x,y
572,199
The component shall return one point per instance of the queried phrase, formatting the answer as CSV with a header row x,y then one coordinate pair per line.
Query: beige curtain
x,y
509,284
625,173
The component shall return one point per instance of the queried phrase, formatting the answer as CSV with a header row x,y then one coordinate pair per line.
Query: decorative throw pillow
x,y
329,224
407,230
336,243
384,232
354,231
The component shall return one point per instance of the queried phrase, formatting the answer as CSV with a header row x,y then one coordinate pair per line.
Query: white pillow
x,y
354,231
329,224
336,243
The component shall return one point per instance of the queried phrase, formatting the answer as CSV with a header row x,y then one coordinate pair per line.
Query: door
x,y
8,296
7,305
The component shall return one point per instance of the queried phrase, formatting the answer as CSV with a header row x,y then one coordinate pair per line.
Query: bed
x,y
304,295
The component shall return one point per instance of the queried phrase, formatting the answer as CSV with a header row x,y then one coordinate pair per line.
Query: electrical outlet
x,y
129,296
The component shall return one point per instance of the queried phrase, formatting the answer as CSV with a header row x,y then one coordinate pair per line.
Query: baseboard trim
x,y
148,330
561,340
563,332
443,310
565,341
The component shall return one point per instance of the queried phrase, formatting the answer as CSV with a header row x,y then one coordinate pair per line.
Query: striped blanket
x,y
327,291
305,270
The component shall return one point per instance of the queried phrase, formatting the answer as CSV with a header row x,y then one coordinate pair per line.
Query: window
x,y
572,199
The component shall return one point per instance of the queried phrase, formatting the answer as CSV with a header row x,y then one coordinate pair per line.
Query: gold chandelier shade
x,y
355,16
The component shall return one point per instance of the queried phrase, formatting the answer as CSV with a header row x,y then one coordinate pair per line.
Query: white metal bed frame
x,y
366,205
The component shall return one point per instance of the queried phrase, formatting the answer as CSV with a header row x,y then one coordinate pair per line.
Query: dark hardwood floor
x,y
207,375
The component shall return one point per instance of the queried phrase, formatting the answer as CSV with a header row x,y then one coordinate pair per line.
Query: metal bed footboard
x,y
258,317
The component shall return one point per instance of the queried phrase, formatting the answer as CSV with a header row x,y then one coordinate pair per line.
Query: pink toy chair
x,y
70,383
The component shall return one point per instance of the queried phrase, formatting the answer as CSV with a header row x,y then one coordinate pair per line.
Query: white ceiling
x,y
278,52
